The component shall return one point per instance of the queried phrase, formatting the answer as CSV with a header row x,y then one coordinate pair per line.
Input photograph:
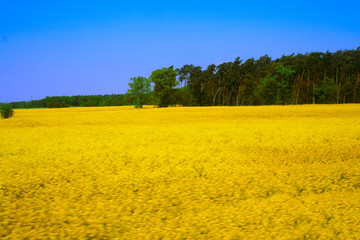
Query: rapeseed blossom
x,y
284,172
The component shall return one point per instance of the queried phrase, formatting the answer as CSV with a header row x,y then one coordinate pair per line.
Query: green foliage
x,y
75,101
57,105
268,89
140,87
285,77
326,91
6,111
89,103
165,82
346,92
57,102
183,96
293,79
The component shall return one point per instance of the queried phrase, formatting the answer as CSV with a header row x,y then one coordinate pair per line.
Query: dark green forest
x,y
311,78
75,101
314,77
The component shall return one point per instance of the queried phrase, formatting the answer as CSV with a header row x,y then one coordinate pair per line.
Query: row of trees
x,y
296,79
75,101
163,93
314,77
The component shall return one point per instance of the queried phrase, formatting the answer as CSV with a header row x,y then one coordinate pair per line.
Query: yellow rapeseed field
x,y
282,172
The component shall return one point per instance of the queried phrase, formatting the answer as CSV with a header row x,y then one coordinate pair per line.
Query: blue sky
x,y
95,47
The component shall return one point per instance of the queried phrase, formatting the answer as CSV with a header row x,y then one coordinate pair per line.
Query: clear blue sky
x,y
95,47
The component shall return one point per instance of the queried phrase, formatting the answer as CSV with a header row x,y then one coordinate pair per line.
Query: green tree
x,y
285,78
165,82
268,89
326,91
139,88
6,111
248,87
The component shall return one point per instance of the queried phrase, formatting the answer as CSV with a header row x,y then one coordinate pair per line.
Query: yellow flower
x,y
281,172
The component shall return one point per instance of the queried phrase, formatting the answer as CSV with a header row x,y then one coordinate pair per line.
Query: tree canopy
x,y
139,88
165,82
314,77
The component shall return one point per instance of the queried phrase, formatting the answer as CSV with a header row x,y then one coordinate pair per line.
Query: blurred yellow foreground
x,y
284,172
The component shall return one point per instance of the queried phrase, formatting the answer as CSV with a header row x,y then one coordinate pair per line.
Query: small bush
x,y
6,111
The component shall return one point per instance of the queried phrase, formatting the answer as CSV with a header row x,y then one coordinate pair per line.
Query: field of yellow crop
x,y
284,172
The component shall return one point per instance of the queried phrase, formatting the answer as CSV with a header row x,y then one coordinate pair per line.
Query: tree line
x,y
75,101
310,78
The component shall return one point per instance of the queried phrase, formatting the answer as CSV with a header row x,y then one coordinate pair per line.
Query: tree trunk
x,y
220,95
237,98
297,95
296,89
236,95
356,87
223,96
308,88
229,99
215,96
337,85
313,98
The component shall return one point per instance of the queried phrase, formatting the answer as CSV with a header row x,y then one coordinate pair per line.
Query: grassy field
x,y
284,172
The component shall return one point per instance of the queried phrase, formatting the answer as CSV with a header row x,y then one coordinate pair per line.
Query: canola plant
x,y
262,172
